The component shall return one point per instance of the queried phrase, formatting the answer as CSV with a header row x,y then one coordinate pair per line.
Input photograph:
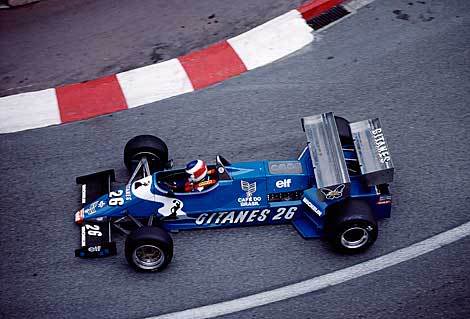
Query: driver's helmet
x,y
196,170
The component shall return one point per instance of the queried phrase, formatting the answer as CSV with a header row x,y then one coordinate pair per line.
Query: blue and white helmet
x,y
196,170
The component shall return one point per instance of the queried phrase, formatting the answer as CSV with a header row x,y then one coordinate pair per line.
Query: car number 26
x,y
115,198
284,213
93,230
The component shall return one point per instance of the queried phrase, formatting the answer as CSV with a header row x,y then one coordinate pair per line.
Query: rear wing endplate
x,y
372,152
331,172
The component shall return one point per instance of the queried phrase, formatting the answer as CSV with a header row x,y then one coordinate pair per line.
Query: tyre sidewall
x,y
149,236
348,214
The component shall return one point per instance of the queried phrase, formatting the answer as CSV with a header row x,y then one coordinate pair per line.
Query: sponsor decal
x,y
283,183
380,145
101,204
384,199
246,216
83,236
94,249
333,193
128,192
290,167
384,202
92,208
83,193
176,206
312,207
250,189
251,201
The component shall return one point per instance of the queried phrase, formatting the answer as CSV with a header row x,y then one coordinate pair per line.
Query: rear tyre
x,y
353,228
149,249
149,146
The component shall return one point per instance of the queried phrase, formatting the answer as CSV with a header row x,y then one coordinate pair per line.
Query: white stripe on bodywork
x,y
144,192
83,236
273,40
303,152
83,193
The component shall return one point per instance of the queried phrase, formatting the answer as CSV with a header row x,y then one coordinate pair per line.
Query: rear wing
x,y
372,152
326,152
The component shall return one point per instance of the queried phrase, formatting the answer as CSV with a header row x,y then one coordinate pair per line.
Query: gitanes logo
x,y
128,192
249,189
380,145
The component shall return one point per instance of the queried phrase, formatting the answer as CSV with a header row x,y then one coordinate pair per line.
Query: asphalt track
x,y
55,42
410,70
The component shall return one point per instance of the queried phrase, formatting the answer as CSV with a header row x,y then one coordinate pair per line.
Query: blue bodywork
x,y
246,193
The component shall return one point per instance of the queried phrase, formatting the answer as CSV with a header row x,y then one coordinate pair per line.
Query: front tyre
x,y
149,249
148,146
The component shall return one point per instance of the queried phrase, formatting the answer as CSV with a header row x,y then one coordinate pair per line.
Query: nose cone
x,y
79,216
113,204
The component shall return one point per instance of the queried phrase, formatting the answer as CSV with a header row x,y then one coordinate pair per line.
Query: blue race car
x,y
337,189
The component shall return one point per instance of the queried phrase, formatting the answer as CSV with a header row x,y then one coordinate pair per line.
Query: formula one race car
x,y
336,189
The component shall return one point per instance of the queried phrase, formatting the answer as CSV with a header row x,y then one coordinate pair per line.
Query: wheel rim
x,y
148,256
354,237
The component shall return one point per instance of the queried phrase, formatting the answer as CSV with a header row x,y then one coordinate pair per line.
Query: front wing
x,y
96,240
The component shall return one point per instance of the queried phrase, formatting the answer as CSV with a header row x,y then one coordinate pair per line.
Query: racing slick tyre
x,y
344,130
149,249
352,227
153,148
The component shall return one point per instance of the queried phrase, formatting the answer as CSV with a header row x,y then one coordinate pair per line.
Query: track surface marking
x,y
331,279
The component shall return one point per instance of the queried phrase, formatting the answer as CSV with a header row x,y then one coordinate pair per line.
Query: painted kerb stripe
x,y
262,45
90,99
211,65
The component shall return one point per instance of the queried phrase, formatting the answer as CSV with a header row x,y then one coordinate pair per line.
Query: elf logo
x,y
94,249
283,183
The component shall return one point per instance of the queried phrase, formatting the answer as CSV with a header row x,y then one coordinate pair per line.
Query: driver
x,y
199,177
